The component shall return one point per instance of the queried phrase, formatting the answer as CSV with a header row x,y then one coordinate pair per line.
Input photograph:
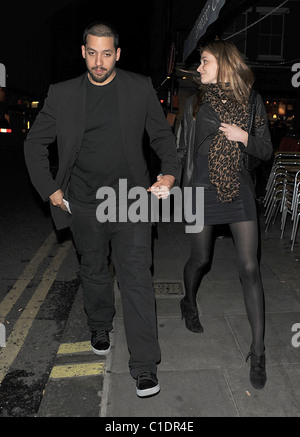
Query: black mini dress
x,y
243,208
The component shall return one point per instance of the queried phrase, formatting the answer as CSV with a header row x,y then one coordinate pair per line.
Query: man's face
x,y
100,56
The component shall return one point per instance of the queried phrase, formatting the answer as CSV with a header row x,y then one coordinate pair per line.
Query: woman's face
x,y
208,68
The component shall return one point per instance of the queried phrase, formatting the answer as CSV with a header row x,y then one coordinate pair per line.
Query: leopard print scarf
x,y
224,156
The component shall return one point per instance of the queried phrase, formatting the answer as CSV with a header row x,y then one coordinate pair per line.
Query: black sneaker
x,y
147,384
100,342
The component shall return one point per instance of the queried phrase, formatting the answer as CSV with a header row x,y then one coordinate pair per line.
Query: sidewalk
x,y
201,375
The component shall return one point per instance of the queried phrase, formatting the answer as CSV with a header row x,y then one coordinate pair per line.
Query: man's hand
x,y
57,200
161,188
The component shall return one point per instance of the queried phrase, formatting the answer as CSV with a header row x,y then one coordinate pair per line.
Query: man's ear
x,y
118,53
83,51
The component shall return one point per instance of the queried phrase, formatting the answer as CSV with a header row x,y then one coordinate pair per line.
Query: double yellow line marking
x,y
27,275
21,328
76,370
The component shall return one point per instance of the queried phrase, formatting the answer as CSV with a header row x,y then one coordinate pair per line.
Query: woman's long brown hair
x,y
234,76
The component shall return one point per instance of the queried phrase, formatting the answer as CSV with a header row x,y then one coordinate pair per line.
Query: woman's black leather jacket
x,y
259,144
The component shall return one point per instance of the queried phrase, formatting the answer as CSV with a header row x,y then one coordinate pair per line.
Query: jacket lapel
x,y
79,110
123,102
76,126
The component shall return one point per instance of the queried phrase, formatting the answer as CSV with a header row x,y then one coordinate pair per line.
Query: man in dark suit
x,y
99,121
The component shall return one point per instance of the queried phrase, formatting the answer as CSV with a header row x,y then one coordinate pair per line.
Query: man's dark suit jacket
x,y
63,116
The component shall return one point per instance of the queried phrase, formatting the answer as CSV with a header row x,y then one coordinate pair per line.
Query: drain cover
x,y
168,288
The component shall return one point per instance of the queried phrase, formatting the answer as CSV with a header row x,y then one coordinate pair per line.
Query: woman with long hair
x,y
213,142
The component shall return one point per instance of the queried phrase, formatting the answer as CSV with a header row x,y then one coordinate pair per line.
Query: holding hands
x,y
161,188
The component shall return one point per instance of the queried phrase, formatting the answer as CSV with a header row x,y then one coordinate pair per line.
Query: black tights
x,y
245,236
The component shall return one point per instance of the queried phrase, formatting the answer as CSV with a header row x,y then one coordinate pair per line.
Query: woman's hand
x,y
234,133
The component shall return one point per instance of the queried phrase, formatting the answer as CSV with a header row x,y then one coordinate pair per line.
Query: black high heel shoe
x,y
258,374
190,313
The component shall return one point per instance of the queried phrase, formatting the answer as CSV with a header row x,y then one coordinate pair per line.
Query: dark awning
x,y
213,14
209,14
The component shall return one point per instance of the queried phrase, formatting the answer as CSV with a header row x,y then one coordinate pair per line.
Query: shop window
x,y
239,23
271,37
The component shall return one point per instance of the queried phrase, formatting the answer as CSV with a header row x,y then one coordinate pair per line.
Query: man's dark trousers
x,y
131,255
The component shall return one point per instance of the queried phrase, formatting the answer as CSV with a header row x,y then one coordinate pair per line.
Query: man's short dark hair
x,y
101,28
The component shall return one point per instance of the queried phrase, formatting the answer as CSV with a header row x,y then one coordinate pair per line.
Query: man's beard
x,y
102,78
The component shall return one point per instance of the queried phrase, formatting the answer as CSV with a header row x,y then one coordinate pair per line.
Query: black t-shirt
x,y
101,161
